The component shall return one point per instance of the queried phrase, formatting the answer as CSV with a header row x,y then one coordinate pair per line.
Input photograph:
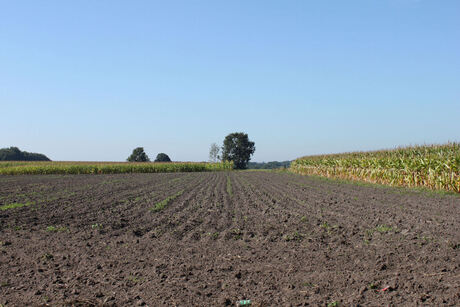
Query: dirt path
x,y
277,239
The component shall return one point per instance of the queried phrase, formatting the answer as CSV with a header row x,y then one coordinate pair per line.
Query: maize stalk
x,y
433,166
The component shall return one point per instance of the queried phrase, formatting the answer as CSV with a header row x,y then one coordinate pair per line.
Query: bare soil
x,y
277,239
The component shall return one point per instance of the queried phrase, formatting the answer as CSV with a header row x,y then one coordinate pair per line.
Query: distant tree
x,y
269,165
214,153
15,154
162,157
138,155
238,148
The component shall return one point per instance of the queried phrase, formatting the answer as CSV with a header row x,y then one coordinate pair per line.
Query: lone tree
x,y
238,148
214,153
138,155
162,157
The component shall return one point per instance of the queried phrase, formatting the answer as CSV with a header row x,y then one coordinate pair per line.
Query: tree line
x,y
15,154
139,155
236,147
269,165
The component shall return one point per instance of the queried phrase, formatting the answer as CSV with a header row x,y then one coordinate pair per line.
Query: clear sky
x,y
91,80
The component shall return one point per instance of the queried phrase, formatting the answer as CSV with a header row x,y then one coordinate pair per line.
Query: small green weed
x,y
57,229
295,236
237,234
229,186
425,240
383,228
47,256
333,304
213,235
96,226
134,279
379,229
5,243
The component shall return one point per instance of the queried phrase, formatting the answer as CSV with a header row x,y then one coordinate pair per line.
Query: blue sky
x,y
91,80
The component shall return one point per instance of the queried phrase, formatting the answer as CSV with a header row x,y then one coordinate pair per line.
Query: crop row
x,y
20,168
432,166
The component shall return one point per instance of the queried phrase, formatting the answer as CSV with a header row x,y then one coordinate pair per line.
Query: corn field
x,y
20,168
432,166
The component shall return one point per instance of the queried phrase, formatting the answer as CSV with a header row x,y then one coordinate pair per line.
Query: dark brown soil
x,y
277,239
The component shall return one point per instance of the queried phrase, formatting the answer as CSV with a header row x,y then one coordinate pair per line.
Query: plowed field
x,y
211,239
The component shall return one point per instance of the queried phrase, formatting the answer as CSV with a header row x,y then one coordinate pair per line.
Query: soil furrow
x,y
216,238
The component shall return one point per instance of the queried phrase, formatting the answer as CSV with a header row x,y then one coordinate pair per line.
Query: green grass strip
x,y
229,186
15,205
160,205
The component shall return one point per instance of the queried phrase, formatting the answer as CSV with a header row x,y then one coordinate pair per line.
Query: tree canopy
x,y
138,155
15,154
238,148
214,153
162,157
